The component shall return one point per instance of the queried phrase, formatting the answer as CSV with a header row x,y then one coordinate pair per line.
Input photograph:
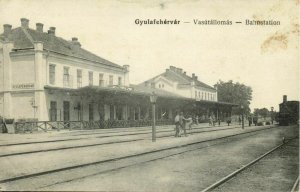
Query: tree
x,y
263,112
236,93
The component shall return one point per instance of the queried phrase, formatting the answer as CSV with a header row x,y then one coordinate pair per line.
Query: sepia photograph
x,y
149,95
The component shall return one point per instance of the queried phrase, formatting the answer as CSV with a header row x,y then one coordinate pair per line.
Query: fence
x,y
22,127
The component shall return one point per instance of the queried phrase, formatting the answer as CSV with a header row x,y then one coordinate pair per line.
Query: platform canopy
x,y
132,94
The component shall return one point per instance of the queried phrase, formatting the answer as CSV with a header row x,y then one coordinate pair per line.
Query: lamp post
x,y
242,107
272,118
153,99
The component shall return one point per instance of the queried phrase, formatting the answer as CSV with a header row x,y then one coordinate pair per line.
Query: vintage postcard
x,y
138,95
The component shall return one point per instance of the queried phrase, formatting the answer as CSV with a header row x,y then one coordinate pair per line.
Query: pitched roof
x,y
181,78
132,89
25,38
158,92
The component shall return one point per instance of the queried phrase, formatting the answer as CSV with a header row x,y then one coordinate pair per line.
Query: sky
x,y
265,58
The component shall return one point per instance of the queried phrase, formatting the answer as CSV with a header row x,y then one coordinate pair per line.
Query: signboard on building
x,y
23,86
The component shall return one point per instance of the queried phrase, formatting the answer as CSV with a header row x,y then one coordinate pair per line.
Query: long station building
x,y
46,78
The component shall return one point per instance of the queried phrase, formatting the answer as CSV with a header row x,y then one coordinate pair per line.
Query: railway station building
x,y
205,97
49,79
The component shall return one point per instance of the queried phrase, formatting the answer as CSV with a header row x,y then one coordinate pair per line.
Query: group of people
x,y
253,120
181,123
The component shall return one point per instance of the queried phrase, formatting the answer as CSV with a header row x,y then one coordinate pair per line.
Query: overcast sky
x,y
263,57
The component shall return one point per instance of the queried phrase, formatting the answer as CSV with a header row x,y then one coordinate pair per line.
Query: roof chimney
x,y
74,39
284,98
7,29
179,70
75,44
51,31
24,22
193,75
184,73
39,27
126,67
172,68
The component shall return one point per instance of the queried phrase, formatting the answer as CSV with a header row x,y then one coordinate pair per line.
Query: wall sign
x,y
23,86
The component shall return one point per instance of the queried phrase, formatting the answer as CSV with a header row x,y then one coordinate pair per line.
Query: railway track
x,y
105,143
151,155
295,186
233,174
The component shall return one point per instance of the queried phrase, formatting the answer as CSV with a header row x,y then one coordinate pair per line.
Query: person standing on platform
x,y
211,120
182,123
255,120
250,120
177,124
197,120
189,122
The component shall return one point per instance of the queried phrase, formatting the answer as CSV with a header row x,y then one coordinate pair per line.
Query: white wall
x,y
21,105
164,85
22,69
85,67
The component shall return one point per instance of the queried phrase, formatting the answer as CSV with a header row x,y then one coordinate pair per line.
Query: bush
x,y
268,123
260,124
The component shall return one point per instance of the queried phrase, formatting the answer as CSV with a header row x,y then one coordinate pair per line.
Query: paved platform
x,y
37,162
18,165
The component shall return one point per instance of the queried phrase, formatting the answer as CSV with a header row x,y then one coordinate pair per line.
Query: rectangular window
x,y
199,94
101,79
91,112
120,81
52,74
79,78
111,80
90,78
66,77
195,94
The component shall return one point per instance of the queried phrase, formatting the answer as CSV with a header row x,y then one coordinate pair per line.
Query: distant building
x,y
206,103
177,81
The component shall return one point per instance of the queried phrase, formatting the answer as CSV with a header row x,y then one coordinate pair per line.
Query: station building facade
x,y
47,78
32,60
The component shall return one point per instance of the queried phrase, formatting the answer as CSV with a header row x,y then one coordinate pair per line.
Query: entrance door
x,y
66,109
53,111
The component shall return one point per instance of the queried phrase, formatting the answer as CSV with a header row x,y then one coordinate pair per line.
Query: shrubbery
x,y
260,124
